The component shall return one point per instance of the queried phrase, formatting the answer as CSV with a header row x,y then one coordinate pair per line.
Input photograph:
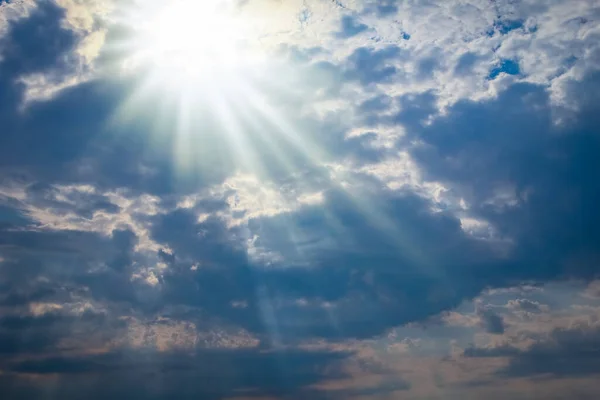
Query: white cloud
x,y
592,291
13,11
39,309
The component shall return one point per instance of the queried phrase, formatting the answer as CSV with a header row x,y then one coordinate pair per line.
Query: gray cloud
x,y
563,352
209,374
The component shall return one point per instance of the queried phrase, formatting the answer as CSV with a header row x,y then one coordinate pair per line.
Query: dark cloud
x,y
124,241
43,265
207,374
368,65
351,27
27,335
10,216
543,168
370,270
426,67
45,139
465,64
37,43
562,353
491,321
566,352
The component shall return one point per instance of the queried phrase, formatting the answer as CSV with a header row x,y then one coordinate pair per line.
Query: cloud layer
x,y
400,202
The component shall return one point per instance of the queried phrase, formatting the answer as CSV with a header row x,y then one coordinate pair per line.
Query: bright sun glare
x,y
206,77
189,40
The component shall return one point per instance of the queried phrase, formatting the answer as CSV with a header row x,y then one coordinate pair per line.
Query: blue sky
x,y
269,199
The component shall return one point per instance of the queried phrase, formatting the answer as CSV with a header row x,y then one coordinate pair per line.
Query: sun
x,y
206,78
185,42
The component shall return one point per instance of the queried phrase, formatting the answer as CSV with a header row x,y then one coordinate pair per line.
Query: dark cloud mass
x,y
206,374
563,352
400,202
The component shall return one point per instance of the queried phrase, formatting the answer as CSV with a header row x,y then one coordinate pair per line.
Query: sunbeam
x,y
216,101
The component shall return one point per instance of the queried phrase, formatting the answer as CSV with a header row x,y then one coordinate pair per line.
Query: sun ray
x,y
197,77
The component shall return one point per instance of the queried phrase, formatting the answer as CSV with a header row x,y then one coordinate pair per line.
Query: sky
x,y
299,199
